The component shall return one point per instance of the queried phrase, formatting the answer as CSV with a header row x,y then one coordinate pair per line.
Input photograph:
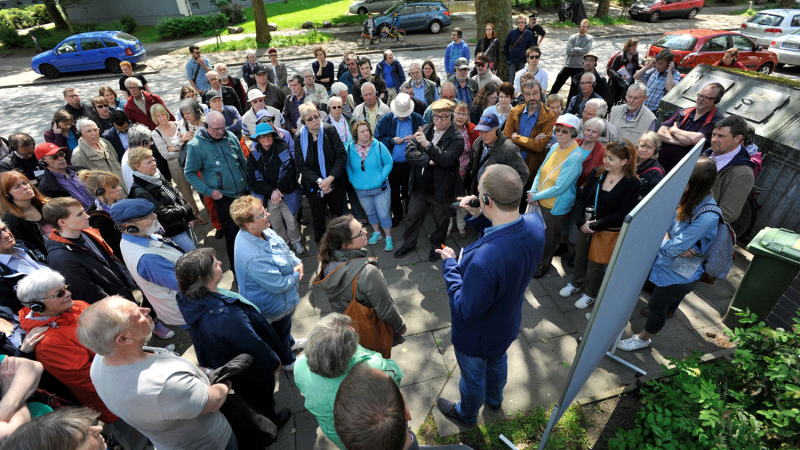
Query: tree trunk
x,y
55,14
497,12
262,24
786,4
602,8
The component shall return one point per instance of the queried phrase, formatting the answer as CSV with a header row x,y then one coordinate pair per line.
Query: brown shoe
x,y
646,312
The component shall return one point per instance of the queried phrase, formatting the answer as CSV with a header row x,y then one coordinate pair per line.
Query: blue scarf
x,y
320,153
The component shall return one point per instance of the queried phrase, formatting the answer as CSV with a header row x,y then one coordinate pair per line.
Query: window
x,y
70,46
196,5
405,11
743,44
676,42
716,44
109,43
796,21
766,19
91,44
423,9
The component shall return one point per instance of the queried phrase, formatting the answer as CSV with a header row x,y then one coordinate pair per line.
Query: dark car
x,y
431,16
88,51
693,47
653,10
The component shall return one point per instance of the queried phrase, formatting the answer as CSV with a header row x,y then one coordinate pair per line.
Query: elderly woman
x,y
368,166
611,192
649,170
322,161
312,88
466,128
224,325
267,272
323,70
343,262
591,147
554,187
106,188
272,178
332,351
63,133
94,152
339,89
111,97
174,214
168,140
22,204
338,119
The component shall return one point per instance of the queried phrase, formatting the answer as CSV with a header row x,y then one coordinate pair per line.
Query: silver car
x,y
373,6
787,48
770,24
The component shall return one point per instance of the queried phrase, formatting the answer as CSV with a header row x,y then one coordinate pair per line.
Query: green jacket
x,y
320,392
221,164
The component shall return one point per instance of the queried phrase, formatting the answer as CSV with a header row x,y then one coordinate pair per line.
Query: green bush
x,y
10,38
40,14
233,11
751,403
126,23
181,26
19,18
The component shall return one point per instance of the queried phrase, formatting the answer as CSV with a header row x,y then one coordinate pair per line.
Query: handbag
x,y
603,242
374,334
538,211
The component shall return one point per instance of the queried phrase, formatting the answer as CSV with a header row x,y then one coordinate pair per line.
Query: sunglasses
x,y
563,130
534,56
101,106
273,54
336,107
61,292
480,64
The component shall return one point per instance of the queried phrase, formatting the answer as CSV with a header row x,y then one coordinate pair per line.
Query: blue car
x,y
418,16
88,51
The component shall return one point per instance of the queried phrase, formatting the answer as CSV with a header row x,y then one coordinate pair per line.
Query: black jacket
x,y
101,220
26,231
504,151
9,278
50,187
229,98
174,216
90,278
335,159
651,173
601,88
611,207
287,178
112,136
447,180
11,162
85,111
380,89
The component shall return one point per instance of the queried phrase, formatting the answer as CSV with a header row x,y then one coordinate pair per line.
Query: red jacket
x,y
594,159
64,357
137,116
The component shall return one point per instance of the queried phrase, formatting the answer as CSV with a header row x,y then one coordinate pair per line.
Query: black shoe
x,y
396,221
433,256
561,249
571,261
403,251
493,408
219,234
304,221
282,417
448,408
540,271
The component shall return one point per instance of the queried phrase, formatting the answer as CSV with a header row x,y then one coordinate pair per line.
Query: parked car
x,y
88,51
787,49
769,24
693,47
374,6
431,16
653,10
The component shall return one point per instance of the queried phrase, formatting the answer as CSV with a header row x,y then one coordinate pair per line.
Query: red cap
x,y
46,149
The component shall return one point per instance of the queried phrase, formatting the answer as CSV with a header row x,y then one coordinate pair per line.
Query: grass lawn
x,y
309,38
524,430
288,16
607,20
753,11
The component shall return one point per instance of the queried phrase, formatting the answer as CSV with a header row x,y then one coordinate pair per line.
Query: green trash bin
x,y
776,261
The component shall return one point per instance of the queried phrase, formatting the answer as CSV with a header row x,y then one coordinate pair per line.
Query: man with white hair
x,y
597,107
166,397
249,69
232,82
578,102
630,119
139,103
229,96
340,90
424,89
95,153
372,109
48,302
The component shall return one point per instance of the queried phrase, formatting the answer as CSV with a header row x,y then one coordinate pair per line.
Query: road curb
x,y
84,78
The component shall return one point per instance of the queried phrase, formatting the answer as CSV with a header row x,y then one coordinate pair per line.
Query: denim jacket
x,y
684,235
265,273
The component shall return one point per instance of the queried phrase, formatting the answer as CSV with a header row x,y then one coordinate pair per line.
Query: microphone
x,y
474,203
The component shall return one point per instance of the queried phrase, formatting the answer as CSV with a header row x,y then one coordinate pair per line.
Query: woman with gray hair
x,y
224,325
649,170
331,352
94,152
339,89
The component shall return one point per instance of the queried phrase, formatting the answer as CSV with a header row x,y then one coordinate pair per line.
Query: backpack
x,y
719,255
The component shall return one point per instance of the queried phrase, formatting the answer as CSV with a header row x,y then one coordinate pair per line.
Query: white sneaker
x,y
299,344
290,367
298,248
568,290
633,343
584,302
170,347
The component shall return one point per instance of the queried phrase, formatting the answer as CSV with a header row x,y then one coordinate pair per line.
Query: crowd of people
x,y
106,205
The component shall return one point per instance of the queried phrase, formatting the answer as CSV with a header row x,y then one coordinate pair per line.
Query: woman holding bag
x,y
610,193
554,187
355,287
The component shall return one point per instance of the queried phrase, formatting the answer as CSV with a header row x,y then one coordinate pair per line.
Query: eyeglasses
x,y
57,156
264,214
363,234
534,56
489,29
480,64
60,293
314,117
441,117
336,107
216,129
583,83
620,142
562,130
701,96
101,106
273,54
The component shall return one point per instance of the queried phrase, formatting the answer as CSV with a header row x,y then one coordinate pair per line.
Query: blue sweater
x,y
566,184
453,52
386,131
377,166
487,287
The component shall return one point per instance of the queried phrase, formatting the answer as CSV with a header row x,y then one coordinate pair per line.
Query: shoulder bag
x,y
603,242
374,334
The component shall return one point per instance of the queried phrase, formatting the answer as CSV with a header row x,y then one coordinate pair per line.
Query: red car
x,y
693,47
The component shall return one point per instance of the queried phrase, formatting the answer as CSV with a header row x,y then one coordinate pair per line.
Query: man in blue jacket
x,y
392,73
395,130
486,286
518,41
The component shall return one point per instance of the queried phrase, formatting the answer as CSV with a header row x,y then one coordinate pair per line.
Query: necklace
x,y
612,181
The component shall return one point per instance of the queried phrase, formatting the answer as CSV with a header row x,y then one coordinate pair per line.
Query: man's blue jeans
x,y
482,380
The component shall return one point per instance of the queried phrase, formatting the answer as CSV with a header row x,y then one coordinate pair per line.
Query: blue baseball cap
x,y
131,208
488,122
262,129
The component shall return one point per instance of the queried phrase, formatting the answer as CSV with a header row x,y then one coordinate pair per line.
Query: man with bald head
x,y
216,154
229,96
448,93
234,83
372,109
